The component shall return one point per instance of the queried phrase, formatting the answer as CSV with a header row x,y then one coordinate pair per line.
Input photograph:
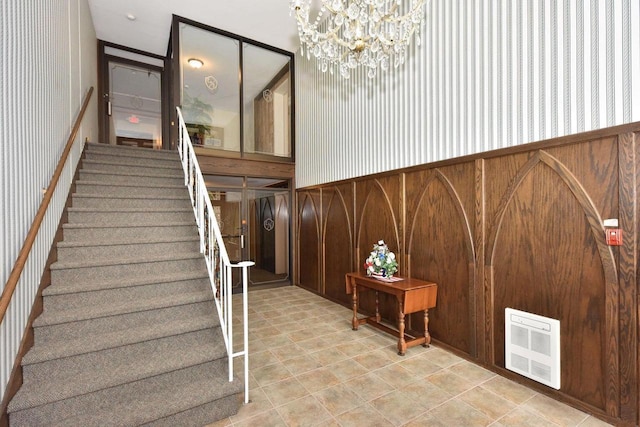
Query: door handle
x,y
108,108
242,241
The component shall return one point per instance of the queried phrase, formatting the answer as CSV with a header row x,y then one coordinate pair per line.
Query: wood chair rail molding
x,y
23,255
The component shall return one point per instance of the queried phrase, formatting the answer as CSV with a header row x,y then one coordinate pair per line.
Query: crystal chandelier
x,y
351,33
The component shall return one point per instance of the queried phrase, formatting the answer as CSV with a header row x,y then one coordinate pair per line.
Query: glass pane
x,y
135,95
267,102
227,207
210,88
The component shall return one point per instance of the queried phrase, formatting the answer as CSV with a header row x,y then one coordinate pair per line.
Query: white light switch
x,y
611,222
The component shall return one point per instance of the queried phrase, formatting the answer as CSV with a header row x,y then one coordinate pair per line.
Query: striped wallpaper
x,y
489,74
47,64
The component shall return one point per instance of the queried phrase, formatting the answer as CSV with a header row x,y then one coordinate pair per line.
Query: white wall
x,y
47,64
489,74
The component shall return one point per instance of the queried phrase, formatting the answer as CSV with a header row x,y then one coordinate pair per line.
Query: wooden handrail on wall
x,y
12,282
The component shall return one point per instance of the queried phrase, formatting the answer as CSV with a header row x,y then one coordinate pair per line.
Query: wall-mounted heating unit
x,y
532,346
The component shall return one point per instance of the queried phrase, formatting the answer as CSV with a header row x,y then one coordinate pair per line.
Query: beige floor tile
x,y
272,342
471,372
301,364
419,366
258,404
306,411
442,358
396,375
426,420
285,391
369,386
555,411
428,394
316,344
455,412
449,382
347,369
269,418
338,399
397,408
375,359
520,417
364,415
328,356
261,358
329,423
509,390
492,405
318,379
287,352
353,348
593,422
271,374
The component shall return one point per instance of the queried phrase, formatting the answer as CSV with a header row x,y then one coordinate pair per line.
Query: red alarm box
x,y
614,236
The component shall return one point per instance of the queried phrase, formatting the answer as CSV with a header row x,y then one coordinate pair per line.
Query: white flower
x,y
381,242
377,262
392,256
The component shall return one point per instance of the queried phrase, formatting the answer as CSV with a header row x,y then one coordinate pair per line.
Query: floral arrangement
x,y
381,261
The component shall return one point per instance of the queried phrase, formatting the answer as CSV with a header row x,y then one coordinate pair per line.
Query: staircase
x,y
129,334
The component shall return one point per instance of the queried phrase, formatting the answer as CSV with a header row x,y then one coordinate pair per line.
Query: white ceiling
x,y
266,21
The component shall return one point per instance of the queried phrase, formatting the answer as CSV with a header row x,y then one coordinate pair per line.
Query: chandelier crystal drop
x,y
350,33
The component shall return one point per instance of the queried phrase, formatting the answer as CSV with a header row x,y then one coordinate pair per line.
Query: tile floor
x,y
308,368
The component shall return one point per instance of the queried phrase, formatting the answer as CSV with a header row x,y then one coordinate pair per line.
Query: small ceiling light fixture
x,y
131,17
195,62
348,33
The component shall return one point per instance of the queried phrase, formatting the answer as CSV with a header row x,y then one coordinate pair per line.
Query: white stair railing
x,y
215,253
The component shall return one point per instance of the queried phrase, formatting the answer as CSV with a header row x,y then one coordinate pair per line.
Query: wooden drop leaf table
x,y
412,296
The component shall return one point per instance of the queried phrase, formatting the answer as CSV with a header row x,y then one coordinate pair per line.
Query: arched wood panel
x,y
338,244
377,213
547,255
440,249
309,241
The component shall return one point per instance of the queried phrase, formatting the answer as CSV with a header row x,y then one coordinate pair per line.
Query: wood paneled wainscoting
x,y
520,227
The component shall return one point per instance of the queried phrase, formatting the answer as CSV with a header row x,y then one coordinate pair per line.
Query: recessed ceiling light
x,y
195,62
131,17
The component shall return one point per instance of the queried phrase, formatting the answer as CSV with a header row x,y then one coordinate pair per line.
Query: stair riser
x,y
114,190
109,234
119,179
128,271
86,253
132,152
142,161
115,202
115,218
134,169
135,296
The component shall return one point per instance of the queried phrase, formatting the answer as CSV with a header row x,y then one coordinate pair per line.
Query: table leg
x,y
354,297
377,312
402,344
427,336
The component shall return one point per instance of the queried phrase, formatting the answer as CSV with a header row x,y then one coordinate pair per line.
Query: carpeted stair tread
x,y
60,379
124,196
173,173
132,225
123,261
71,287
97,164
99,148
144,401
127,241
80,337
128,185
145,210
120,305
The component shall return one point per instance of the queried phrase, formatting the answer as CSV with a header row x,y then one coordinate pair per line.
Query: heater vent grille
x,y
532,346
